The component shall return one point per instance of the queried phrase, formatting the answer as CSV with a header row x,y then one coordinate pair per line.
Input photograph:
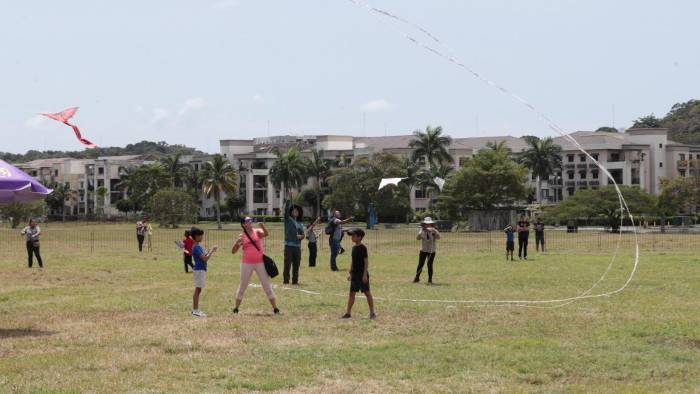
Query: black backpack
x,y
330,227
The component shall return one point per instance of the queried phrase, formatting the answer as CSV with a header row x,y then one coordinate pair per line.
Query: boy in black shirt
x,y
359,273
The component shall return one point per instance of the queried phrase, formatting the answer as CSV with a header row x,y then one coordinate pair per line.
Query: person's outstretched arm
x,y
264,232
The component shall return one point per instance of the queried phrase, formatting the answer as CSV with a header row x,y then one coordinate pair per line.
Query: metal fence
x,y
103,240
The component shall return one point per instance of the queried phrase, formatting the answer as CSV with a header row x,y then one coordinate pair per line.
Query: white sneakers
x,y
198,313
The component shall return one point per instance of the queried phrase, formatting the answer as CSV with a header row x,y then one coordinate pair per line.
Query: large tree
x,y
679,196
20,212
543,158
175,168
683,122
218,177
319,168
647,122
603,203
486,181
141,183
431,145
171,207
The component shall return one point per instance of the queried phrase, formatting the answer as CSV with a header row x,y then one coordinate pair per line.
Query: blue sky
x,y
194,72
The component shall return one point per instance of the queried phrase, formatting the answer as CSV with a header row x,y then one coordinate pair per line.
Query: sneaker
x,y
373,316
235,311
342,250
346,316
276,311
198,313
416,280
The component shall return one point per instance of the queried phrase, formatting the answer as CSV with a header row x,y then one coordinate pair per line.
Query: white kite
x,y
439,182
389,181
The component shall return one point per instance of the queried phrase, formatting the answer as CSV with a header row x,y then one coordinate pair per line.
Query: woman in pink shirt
x,y
252,260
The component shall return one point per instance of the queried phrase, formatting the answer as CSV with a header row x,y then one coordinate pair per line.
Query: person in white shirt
x,y
428,235
31,233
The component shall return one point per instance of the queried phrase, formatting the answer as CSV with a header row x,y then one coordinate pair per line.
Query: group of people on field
x,y
522,228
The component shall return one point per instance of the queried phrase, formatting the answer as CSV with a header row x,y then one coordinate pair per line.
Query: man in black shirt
x,y
359,273
523,235
539,234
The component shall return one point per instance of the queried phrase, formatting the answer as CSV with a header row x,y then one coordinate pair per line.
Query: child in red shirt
x,y
187,244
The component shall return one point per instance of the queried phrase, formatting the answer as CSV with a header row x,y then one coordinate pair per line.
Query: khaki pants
x,y
247,272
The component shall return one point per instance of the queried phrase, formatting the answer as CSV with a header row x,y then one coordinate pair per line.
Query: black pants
x,y
188,262
140,239
33,250
421,261
313,249
539,240
522,247
292,259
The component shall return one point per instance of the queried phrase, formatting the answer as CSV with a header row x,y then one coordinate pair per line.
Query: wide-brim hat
x,y
428,220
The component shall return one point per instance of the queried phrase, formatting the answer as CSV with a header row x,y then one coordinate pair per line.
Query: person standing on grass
x,y
252,260
539,234
31,233
201,258
187,244
293,234
336,236
510,241
359,274
523,230
141,228
428,235
312,237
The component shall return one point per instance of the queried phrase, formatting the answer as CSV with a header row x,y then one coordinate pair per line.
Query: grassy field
x,y
101,317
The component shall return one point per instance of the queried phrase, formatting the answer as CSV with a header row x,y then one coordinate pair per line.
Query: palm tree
x,y
319,168
431,145
499,146
290,169
101,193
218,176
426,178
543,158
174,167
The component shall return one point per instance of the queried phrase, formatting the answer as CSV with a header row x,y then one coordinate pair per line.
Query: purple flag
x,y
17,186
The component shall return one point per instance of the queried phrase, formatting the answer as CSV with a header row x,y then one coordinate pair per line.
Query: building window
x,y
614,156
82,185
661,164
570,158
570,175
55,172
260,196
582,174
570,191
533,177
582,158
462,160
595,156
617,176
196,167
420,193
681,157
277,194
594,174
100,170
100,182
661,146
259,165
681,172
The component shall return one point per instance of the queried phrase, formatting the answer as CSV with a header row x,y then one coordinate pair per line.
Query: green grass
x,y
112,320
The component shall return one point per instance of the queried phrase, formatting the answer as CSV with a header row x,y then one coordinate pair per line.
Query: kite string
x,y
549,122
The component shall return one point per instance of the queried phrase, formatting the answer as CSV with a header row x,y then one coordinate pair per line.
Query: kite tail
x,y
85,142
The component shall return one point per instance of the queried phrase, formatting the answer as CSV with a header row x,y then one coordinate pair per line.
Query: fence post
x,y
490,250
599,236
653,241
92,242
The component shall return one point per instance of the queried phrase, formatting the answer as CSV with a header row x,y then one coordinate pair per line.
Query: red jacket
x,y
189,243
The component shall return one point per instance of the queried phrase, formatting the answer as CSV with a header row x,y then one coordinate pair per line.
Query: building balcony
x,y
592,165
570,183
594,183
582,183
569,166
584,166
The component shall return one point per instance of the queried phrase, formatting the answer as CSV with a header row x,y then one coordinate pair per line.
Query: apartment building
x,y
639,157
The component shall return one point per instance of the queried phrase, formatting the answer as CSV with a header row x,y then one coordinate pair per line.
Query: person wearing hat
x,y
293,234
141,229
428,235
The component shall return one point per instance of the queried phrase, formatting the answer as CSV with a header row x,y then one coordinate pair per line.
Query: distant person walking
x,y
428,235
31,233
141,229
293,234
539,234
252,260
335,232
312,237
523,230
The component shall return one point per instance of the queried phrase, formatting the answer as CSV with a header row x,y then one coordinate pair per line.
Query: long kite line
x,y
553,126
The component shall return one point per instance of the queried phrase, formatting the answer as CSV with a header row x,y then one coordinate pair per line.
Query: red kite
x,y
63,117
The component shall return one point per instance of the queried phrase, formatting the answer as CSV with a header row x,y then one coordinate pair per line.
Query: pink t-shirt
x,y
251,255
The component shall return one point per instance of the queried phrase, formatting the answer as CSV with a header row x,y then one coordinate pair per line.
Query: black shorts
x,y
510,245
357,285
539,237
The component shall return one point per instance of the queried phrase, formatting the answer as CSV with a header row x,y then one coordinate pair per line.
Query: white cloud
x,y
36,122
258,98
225,4
159,114
191,104
377,105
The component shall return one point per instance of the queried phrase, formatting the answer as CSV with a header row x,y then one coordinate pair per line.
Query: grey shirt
x,y
428,240
338,232
311,235
32,234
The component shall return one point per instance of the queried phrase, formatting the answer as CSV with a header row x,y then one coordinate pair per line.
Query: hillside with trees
x,y
158,149
682,121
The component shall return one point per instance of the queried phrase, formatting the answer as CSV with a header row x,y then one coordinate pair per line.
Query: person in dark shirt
x,y
539,235
523,230
359,273
510,241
